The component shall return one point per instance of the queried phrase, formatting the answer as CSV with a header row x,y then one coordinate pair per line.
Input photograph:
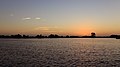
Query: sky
x,y
63,17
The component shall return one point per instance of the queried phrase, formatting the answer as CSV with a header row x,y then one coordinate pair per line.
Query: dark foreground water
x,y
59,52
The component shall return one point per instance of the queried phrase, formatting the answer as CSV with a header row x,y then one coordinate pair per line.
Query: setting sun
x,y
85,31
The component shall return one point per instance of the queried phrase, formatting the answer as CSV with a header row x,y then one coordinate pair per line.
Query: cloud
x,y
46,28
42,28
37,18
27,18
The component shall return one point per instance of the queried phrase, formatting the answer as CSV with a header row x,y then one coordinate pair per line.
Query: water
x,y
60,52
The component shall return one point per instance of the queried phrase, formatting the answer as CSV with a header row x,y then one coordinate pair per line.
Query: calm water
x,y
60,52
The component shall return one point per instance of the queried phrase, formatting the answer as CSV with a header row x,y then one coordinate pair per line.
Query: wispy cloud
x,y
46,28
42,28
37,18
27,18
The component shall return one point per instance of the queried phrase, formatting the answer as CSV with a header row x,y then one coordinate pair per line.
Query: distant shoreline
x,y
18,36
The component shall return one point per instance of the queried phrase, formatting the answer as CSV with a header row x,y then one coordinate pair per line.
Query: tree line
x,y
93,35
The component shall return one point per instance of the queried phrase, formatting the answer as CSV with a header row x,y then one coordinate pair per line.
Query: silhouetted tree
x,y
39,36
113,36
56,36
51,36
74,36
25,36
118,37
93,34
67,36
4,36
18,36
61,36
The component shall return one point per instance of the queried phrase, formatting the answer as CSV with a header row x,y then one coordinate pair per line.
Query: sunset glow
x,y
62,17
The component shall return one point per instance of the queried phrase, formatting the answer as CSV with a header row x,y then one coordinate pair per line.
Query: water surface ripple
x,y
60,52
